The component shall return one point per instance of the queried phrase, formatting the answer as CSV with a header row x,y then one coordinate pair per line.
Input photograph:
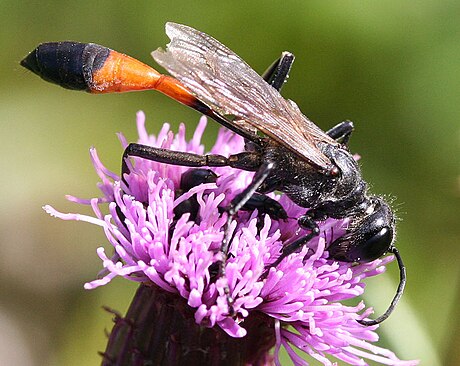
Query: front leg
x,y
307,221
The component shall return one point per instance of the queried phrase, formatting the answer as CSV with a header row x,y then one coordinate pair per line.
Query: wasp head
x,y
369,236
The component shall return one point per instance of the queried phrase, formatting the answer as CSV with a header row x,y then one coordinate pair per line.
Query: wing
x,y
223,81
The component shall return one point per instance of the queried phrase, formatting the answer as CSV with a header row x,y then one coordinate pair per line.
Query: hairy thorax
x,y
308,187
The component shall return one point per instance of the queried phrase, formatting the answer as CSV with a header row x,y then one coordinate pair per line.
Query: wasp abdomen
x,y
98,69
68,64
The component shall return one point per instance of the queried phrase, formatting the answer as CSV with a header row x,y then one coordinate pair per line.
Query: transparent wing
x,y
223,81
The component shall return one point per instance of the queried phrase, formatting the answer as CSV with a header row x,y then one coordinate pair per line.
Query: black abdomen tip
x,y
68,64
30,62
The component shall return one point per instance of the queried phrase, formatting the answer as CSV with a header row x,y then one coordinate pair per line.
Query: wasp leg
x,y
278,72
190,179
247,160
262,173
264,205
307,221
342,132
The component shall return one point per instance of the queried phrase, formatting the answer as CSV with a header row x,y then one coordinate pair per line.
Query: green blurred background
x,y
390,66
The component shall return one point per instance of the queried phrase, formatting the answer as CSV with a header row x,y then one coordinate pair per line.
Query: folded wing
x,y
228,85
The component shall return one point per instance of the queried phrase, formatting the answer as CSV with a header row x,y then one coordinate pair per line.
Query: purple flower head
x,y
301,296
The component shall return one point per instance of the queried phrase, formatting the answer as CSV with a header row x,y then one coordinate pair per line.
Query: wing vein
x,y
228,85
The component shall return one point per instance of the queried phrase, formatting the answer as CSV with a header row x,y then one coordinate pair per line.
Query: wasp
x,y
287,151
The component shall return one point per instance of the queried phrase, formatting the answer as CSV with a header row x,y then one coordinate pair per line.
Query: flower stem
x,y
160,329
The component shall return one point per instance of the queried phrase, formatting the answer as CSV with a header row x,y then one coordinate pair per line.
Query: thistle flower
x,y
297,304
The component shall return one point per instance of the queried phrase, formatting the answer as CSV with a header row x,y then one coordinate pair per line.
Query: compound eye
x,y
373,247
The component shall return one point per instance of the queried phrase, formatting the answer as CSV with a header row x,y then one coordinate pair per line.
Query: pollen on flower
x,y
151,243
